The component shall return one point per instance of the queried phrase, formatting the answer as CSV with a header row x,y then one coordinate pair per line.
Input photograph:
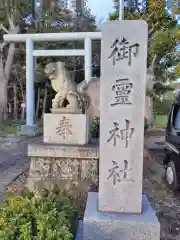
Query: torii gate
x,y
29,39
31,53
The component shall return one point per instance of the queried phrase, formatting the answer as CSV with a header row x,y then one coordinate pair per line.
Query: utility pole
x,y
33,7
119,7
121,10
78,8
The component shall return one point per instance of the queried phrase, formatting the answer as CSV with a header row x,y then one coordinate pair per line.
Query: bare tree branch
x,y
153,29
152,67
3,28
11,22
2,45
9,60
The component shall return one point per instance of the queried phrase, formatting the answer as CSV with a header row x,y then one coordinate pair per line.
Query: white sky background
x,y
100,9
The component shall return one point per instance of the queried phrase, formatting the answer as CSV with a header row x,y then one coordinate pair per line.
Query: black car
x,y
172,147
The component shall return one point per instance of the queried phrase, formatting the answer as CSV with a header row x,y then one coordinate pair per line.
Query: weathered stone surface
x,y
93,91
68,166
122,98
64,85
54,168
88,151
89,170
66,128
66,110
115,226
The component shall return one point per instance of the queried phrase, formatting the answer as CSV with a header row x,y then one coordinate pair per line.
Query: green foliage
x,y
176,7
7,129
95,127
163,39
161,89
178,70
35,217
162,28
162,108
12,10
161,120
49,13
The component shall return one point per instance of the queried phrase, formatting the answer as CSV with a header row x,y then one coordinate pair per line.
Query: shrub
x,y
162,108
95,127
37,217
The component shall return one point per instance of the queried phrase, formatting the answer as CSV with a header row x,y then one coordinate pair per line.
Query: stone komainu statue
x,y
68,94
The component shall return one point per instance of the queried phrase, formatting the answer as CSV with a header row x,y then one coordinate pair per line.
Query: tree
x,y
163,37
178,70
10,23
48,18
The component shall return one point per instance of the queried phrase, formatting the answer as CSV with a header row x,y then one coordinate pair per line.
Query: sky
x,y
100,8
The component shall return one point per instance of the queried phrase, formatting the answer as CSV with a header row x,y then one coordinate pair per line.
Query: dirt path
x,y
13,161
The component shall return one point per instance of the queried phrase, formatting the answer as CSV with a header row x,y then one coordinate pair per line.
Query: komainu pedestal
x,y
66,128
72,167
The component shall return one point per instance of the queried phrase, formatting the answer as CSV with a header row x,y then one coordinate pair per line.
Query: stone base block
x,y
116,226
25,130
72,167
66,128
65,110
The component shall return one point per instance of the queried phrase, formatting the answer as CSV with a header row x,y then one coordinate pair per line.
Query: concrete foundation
x,y
115,226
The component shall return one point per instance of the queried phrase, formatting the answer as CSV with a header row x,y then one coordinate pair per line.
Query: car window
x,y
177,118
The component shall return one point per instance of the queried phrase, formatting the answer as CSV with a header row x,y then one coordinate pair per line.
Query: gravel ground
x,y
166,203
156,132
167,207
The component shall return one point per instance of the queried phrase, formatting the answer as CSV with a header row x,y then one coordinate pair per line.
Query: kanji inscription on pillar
x,y
122,89
122,105
121,134
118,174
123,50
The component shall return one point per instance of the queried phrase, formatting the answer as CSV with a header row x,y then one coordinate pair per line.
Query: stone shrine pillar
x,y
119,211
